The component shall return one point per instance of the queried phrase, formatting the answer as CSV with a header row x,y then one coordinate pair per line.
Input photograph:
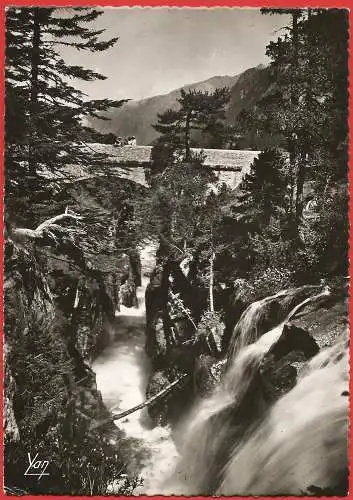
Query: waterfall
x,y
236,443
257,318
303,441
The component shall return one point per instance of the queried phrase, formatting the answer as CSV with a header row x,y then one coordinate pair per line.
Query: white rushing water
x,y
303,440
284,449
299,442
121,372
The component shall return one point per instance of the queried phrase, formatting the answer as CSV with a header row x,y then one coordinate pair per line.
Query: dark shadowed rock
x,y
328,321
204,377
277,371
127,294
263,315
294,339
156,339
159,410
172,405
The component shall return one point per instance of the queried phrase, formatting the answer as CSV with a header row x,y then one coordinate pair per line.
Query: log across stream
x,y
219,451
122,371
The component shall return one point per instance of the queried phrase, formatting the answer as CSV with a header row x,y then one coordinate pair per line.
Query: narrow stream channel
x,y
122,372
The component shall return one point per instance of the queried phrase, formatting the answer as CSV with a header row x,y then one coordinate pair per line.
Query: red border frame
x,y
172,3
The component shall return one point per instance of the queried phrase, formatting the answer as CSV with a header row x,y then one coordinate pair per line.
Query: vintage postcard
x,y
176,259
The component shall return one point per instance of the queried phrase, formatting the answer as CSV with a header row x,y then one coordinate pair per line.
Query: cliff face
x,y
51,395
61,295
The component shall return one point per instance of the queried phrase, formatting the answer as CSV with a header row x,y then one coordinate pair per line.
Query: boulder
x,y
328,321
278,370
172,405
205,379
263,315
156,340
158,411
127,294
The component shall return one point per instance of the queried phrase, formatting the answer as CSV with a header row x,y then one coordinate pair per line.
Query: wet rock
x,y
173,405
205,379
263,315
156,340
328,321
135,267
156,291
127,294
278,367
294,339
159,410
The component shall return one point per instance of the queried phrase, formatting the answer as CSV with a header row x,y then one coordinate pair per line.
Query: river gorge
x,y
242,439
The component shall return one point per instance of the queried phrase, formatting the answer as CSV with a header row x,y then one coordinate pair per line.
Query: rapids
x,y
235,442
302,442
121,373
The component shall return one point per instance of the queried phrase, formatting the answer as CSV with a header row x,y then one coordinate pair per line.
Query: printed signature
x,y
36,467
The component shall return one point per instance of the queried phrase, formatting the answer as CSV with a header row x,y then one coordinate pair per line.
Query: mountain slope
x,y
137,117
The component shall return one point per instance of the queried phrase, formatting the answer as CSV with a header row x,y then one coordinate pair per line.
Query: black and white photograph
x,y
176,271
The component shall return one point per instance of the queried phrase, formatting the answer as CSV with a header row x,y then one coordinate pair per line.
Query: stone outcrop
x,y
278,369
263,315
47,380
173,309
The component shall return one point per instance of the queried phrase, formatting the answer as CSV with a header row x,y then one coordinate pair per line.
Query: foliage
x,y
47,137
308,103
210,331
262,192
200,111
45,114
296,234
271,279
55,400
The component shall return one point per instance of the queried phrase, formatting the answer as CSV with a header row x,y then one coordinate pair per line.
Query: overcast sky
x,y
161,49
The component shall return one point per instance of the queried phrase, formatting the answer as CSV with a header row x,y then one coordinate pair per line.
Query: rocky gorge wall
x,y
60,303
177,344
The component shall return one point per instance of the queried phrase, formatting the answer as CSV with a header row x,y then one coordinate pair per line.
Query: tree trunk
x,y
187,136
151,400
148,402
300,188
296,190
295,44
211,282
292,161
34,91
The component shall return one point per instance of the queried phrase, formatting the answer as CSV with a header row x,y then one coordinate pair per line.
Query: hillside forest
x,y
238,314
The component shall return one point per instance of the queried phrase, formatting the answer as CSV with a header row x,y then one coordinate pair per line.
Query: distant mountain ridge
x,y
137,117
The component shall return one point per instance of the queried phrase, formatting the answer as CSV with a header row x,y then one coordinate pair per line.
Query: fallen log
x,y
148,402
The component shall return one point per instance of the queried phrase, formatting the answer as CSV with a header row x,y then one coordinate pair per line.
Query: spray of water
x,y
266,313
223,425
303,441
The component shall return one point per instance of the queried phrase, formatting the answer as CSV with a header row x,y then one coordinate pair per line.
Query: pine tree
x,y
199,112
308,102
45,114
262,192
